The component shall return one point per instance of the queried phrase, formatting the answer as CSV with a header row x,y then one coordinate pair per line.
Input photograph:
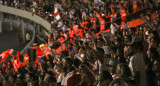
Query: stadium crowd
x,y
77,53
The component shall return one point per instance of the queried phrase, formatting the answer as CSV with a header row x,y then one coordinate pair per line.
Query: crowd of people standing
x,y
74,55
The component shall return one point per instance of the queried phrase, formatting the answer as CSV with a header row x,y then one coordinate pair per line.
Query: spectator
x,y
137,65
156,71
75,55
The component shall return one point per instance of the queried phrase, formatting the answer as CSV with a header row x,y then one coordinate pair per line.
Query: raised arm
x,y
98,15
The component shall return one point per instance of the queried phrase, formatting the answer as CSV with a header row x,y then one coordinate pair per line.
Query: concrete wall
x,y
27,15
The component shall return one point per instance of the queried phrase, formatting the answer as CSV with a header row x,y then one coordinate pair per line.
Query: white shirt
x,y
60,78
79,56
83,15
34,4
125,26
64,27
71,13
137,64
97,66
106,50
60,24
113,28
64,81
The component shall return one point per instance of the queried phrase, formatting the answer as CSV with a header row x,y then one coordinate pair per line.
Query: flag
x,y
75,29
15,65
4,55
56,13
47,51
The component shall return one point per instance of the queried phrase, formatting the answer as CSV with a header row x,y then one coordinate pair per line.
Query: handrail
x,y
27,15
33,36
32,40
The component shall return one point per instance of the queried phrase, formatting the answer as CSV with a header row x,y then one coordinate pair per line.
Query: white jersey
x,y
137,64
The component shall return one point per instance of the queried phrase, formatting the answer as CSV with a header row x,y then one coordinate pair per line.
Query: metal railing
x,y
32,40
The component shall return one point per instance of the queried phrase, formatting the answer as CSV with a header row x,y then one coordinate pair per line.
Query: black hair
x,y
87,64
81,42
106,75
100,50
30,68
128,71
69,61
41,76
50,73
76,62
154,53
44,58
101,39
65,53
122,60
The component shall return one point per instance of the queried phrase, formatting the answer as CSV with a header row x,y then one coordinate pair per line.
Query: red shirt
x,y
39,51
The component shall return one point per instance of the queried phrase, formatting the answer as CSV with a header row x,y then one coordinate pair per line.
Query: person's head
x,y
152,54
123,71
156,66
30,69
76,63
67,63
154,34
44,59
121,59
154,42
29,77
83,69
51,81
41,78
50,63
119,52
80,43
132,31
133,48
19,78
105,78
118,41
113,53
100,42
12,78
48,75
64,54
100,51
128,39
5,81
82,50
11,51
